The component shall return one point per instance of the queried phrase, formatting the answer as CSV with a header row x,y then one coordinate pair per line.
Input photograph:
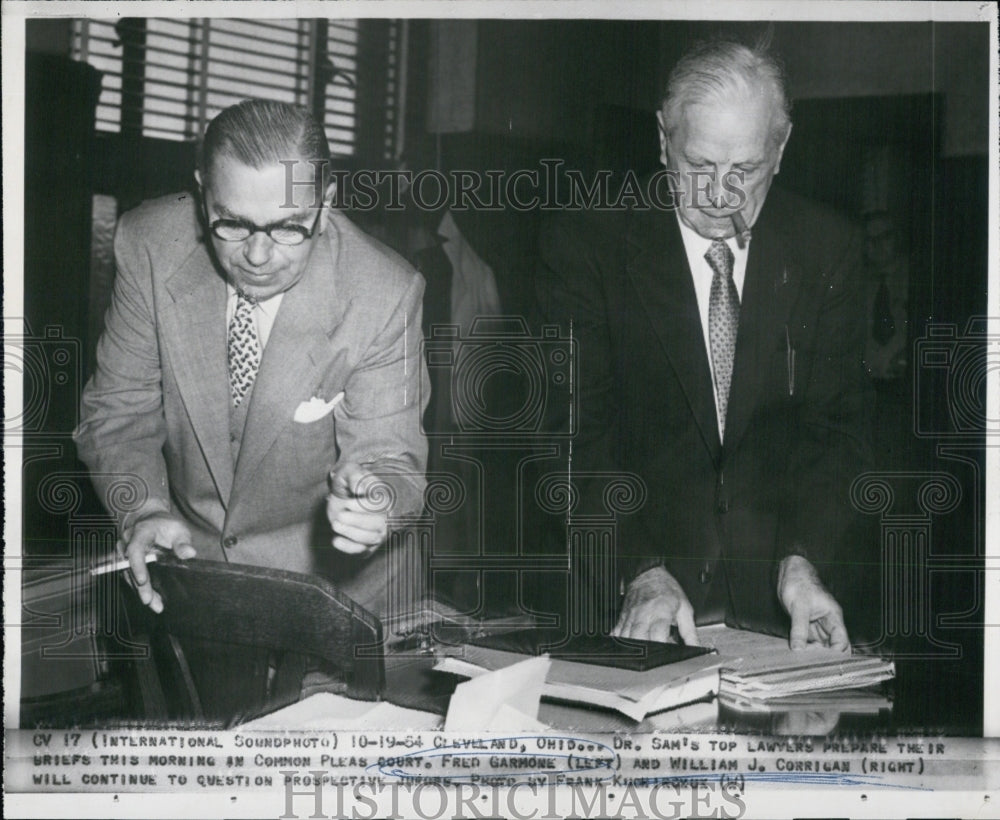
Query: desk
x,y
931,696
919,705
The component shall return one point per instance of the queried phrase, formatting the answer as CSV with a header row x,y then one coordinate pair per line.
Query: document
x,y
633,693
762,668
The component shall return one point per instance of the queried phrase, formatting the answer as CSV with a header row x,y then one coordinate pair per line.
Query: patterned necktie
x,y
723,323
244,349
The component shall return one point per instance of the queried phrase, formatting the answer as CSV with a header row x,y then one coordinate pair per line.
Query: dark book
x,y
621,653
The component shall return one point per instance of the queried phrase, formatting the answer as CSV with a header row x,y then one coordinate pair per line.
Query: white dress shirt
x,y
264,314
696,246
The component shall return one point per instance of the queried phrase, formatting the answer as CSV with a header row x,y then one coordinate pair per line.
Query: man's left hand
x,y
358,526
816,616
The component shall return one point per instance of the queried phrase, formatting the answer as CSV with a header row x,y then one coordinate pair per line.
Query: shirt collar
x,y
269,306
696,246
693,239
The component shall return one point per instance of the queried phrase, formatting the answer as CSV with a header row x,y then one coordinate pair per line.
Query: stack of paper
x,y
854,701
808,672
762,668
745,669
633,693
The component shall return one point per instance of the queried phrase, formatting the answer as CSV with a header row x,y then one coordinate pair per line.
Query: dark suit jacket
x,y
156,412
796,433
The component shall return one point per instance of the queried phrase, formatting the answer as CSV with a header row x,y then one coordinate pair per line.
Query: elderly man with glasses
x,y
259,380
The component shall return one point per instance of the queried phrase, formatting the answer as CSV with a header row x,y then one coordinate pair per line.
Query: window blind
x,y
96,42
167,78
340,114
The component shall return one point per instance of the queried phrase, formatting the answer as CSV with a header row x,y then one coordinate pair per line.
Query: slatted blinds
x,y
166,78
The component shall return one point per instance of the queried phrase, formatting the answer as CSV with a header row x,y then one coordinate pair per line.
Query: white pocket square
x,y
316,408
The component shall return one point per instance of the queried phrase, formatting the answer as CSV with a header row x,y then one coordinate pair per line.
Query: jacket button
x,y
230,541
723,505
706,574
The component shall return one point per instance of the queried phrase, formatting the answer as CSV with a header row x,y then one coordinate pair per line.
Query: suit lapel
x,y
659,270
297,354
194,331
769,291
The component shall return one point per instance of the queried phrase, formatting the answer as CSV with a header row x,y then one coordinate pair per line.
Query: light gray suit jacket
x,y
156,410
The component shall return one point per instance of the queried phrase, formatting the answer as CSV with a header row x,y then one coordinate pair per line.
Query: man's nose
x,y
716,193
257,248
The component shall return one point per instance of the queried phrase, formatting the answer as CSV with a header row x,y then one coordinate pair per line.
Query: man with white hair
x,y
721,361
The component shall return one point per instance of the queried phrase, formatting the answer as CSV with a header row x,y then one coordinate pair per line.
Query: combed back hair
x,y
259,133
720,70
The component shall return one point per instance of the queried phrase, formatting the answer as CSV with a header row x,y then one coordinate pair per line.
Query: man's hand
x,y
353,512
655,602
816,616
157,530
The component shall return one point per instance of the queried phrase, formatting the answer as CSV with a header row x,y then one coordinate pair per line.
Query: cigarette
x,y
742,231
119,565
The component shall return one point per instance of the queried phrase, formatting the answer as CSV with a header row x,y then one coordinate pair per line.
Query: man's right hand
x,y
655,602
157,530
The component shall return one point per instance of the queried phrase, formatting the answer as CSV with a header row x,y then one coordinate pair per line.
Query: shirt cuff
x,y
788,552
151,506
632,568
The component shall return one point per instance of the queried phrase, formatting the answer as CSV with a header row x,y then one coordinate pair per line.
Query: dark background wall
x,y
542,78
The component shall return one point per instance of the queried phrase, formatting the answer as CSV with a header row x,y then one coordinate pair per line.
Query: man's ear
x,y
781,149
662,128
329,195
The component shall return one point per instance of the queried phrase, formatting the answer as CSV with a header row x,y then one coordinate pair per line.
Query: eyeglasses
x,y
237,230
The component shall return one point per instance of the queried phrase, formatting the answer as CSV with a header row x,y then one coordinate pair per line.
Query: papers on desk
x,y
700,716
761,668
852,701
634,694
502,701
804,675
749,669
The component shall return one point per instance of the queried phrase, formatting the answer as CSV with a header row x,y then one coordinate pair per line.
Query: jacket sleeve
x,y
833,444
122,430
379,426
570,291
